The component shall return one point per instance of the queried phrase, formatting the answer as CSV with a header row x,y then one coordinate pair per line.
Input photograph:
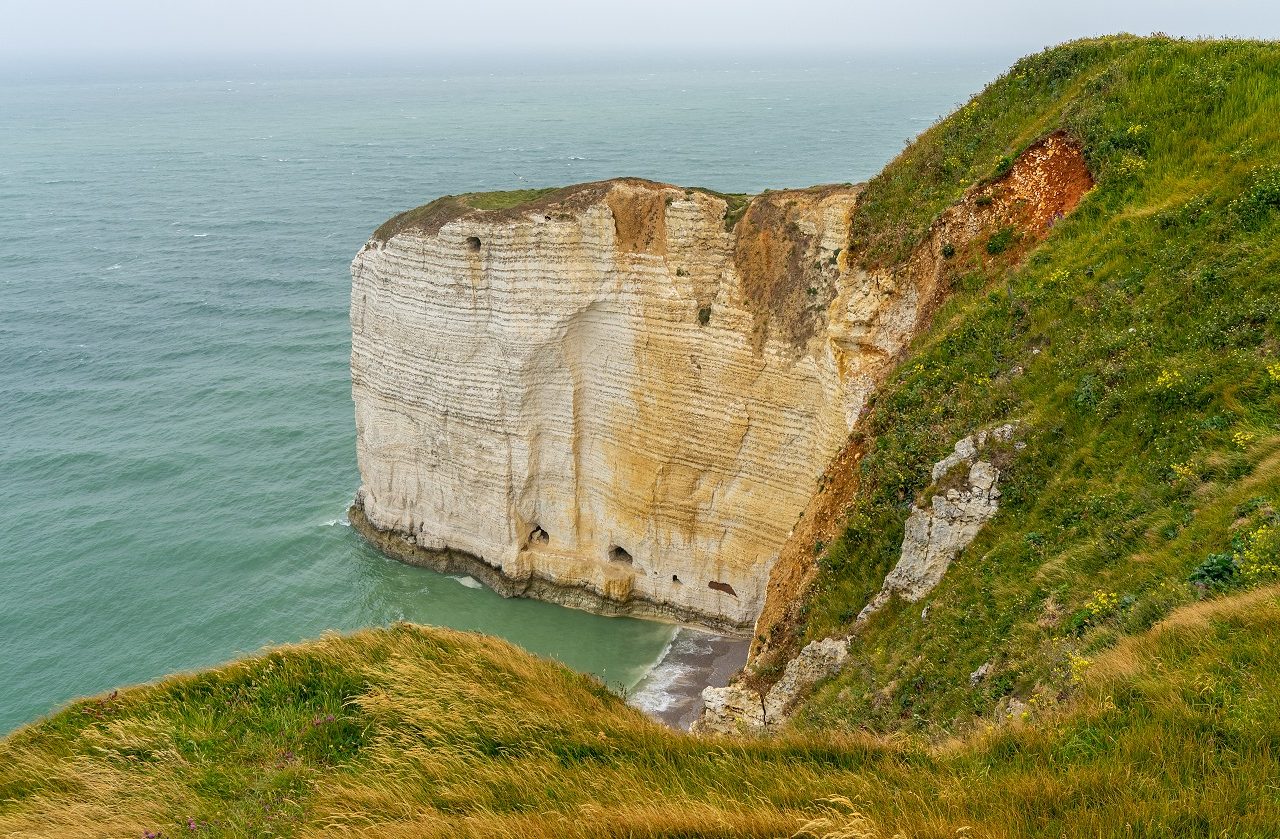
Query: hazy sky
x,y
145,28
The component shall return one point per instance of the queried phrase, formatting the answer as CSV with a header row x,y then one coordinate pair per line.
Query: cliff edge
x,y
619,395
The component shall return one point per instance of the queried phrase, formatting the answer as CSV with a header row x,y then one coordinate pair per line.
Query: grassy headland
x,y
1123,595
1137,347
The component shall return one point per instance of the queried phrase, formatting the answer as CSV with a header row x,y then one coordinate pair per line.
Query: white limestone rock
x,y
606,398
732,709
936,534
737,708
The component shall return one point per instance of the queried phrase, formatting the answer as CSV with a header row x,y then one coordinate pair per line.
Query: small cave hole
x,y
676,579
725,587
617,554
473,244
538,536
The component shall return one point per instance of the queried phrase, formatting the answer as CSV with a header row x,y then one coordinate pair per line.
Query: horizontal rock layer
x,y
606,395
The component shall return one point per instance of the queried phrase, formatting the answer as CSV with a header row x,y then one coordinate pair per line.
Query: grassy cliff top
x,y
421,732
429,218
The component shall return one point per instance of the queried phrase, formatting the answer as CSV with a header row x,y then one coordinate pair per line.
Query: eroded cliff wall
x,y
1043,184
613,396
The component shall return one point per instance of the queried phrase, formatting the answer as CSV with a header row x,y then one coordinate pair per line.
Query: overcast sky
x,y
139,29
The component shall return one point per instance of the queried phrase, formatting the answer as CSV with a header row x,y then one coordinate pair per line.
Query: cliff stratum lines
x,y
612,395
620,395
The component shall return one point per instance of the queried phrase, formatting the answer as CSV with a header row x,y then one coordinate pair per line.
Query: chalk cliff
x,y
618,395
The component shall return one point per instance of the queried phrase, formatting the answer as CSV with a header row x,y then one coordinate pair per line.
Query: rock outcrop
x,y
613,396
739,706
964,497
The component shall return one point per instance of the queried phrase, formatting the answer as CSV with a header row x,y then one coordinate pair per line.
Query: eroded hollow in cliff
x,y
617,554
724,587
538,536
473,244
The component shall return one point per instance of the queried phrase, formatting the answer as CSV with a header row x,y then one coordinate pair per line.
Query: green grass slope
x,y
411,732
1139,348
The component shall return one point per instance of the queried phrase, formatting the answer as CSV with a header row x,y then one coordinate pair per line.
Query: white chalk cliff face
x,y
607,397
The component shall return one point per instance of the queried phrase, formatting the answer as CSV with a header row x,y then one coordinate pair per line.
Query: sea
x,y
176,430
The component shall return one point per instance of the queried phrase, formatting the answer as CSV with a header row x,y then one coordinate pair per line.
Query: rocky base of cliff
x,y
739,707
401,547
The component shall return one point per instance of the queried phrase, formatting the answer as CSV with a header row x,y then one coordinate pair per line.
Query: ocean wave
x,y
672,687
469,582
656,692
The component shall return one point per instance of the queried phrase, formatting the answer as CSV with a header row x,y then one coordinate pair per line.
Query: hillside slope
x,y
1099,662
430,733
1137,351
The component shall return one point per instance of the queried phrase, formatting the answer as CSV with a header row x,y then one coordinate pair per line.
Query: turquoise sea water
x,y
176,440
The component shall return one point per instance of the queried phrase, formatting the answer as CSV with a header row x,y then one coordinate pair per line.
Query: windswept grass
x,y
414,732
1123,594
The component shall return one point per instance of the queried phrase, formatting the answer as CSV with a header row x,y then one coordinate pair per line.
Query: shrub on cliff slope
x,y
1137,347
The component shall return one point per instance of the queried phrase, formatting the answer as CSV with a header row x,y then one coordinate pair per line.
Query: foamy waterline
x,y
652,693
671,690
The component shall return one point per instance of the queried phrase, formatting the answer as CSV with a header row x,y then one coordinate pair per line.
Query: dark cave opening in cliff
x,y
617,554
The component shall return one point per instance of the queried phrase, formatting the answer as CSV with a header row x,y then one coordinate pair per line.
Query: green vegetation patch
x,y
505,200
429,218
1137,347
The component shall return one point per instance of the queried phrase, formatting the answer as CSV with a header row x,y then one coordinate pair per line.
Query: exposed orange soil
x,y
786,288
639,218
